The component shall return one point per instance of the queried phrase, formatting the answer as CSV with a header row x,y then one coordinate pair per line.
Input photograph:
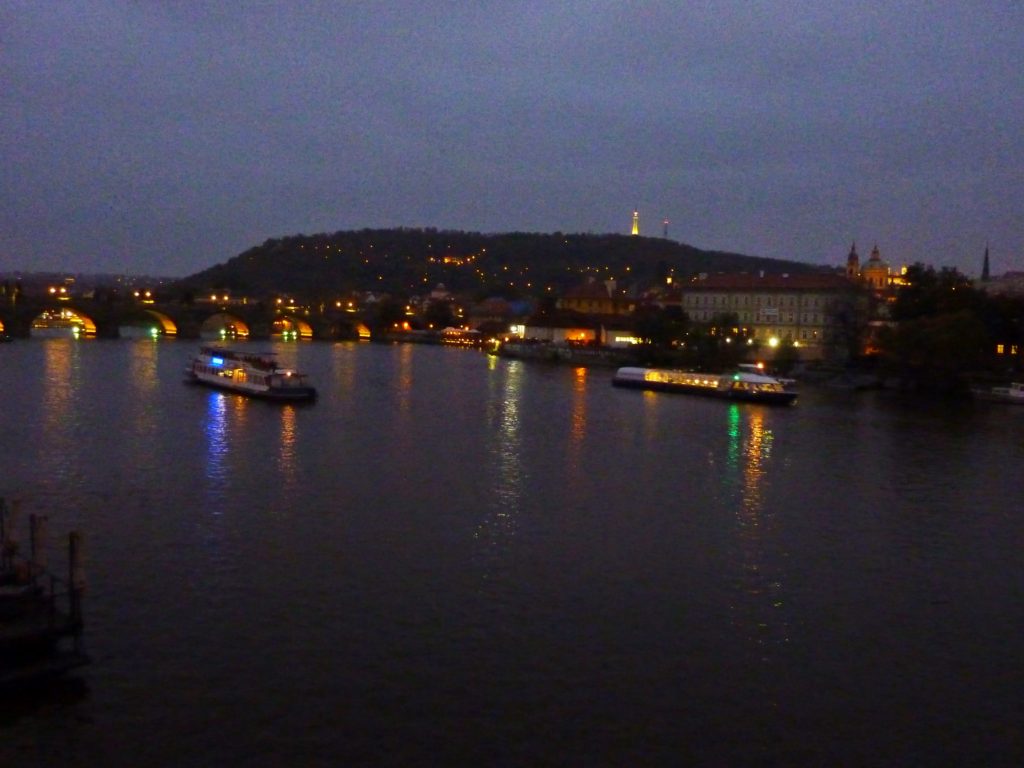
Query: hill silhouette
x,y
407,261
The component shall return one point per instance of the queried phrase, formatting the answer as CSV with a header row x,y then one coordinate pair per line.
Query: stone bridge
x,y
23,316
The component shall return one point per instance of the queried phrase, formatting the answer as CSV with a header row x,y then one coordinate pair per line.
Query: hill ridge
x,y
409,261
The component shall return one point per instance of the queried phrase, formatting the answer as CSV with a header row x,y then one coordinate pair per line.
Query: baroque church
x,y
875,274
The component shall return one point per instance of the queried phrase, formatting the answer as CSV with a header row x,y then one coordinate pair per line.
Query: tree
x,y
658,326
438,314
928,292
385,315
934,352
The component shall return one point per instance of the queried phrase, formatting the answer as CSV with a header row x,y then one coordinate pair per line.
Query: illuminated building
x,y
636,222
800,310
595,297
875,274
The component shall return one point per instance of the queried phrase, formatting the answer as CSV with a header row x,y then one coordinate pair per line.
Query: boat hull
x,y
1012,395
292,394
720,387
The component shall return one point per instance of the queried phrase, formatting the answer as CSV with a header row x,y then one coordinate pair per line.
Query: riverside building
x,y
815,312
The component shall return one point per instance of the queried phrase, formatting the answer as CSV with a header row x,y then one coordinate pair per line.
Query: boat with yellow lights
x,y
248,373
742,385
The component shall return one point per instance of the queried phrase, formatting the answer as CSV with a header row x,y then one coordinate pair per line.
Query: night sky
x,y
164,137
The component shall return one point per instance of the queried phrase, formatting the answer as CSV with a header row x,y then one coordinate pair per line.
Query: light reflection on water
x,y
217,445
60,407
59,387
286,454
405,380
646,578
505,468
144,379
749,460
578,425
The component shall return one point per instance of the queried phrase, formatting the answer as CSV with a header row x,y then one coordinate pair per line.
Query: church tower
x,y
636,222
876,271
853,263
984,266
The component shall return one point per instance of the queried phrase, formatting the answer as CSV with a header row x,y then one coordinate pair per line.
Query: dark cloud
x,y
165,137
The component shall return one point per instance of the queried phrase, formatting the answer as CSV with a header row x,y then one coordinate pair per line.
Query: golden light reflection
x,y
651,414
503,465
405,378
344,366
59,363
578,429
286,454
142,368
756,451
758,610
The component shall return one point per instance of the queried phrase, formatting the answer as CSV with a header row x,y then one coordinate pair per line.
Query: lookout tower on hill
x,y
636,222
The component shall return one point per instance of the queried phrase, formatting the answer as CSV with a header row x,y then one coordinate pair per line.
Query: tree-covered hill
x,y
412,261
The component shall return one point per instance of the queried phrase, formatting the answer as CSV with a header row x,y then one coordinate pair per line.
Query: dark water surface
x,y
457,559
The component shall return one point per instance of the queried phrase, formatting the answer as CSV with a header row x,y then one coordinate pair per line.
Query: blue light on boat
x,y
216,361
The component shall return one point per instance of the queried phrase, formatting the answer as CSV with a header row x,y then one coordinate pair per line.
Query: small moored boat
x,y
750,387
1014,393
248,373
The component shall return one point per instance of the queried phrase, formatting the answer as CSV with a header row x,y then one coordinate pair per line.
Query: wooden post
x,y
76,562
3,536
10,540
76,584
37,526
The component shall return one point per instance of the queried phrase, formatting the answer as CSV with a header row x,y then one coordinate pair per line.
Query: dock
x,y
41,622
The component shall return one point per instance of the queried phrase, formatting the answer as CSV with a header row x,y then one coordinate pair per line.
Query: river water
x,y
452,558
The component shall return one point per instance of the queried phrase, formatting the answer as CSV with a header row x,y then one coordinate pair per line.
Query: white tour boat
x,y
248,373
751,387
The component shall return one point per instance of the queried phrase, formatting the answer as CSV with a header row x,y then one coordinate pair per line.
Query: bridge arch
x,y
348,329
224,325
291,327
62,321
147,323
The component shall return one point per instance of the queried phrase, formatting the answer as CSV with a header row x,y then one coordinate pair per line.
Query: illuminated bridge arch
x,y
291,327
224,326
147,323
349,330
62,321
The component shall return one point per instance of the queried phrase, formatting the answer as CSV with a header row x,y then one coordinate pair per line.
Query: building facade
x,y
816,312
596,297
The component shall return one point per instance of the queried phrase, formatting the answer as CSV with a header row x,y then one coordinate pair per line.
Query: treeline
x,y
407,261
946,331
